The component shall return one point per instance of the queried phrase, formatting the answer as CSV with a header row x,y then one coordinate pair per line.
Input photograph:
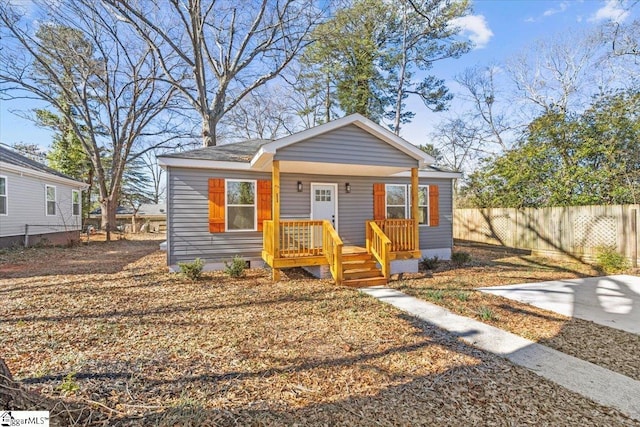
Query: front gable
x,y
346,145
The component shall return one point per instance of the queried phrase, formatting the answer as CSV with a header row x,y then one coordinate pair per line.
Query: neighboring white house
x,y
37,203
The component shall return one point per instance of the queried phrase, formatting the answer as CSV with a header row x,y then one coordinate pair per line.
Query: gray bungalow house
x,y
37,203
347,198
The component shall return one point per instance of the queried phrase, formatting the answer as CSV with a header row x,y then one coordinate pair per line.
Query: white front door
x,y
324,202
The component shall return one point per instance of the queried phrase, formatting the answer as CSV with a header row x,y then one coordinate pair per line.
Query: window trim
x,y
5,195
386,204
46,200
407,198
79,202
227,205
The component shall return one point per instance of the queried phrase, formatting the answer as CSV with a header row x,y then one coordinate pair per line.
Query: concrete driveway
x,y
612,301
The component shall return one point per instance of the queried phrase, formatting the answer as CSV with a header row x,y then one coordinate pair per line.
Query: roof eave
x,y
165,162
432,174
41,174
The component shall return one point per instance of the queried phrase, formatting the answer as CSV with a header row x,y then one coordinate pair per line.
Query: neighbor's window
x,y
3,195
50,192
241,205
396,201
75,202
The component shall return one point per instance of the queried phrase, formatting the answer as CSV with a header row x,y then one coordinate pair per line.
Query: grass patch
x,y
435,294
486,313
463,296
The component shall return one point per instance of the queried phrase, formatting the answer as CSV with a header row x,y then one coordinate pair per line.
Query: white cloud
x,y
561,8
476,27
613,10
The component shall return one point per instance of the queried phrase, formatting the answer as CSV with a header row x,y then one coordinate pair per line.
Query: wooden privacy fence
x,y
574,230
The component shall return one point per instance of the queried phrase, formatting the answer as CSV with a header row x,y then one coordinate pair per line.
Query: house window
x,y
3,195
50,192
75,202
423,204
396,201
241,205
399,202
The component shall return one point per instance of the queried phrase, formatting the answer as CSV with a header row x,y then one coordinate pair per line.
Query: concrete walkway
x,y
612,301
599,384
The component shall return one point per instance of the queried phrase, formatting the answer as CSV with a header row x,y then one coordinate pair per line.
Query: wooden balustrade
x,y
300,238
332,247
400,232
379,245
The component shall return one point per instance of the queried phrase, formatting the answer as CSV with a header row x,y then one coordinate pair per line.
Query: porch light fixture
x,y
347,187
299,186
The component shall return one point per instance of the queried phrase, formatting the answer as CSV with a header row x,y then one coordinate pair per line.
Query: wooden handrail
x,y
401,233
379,245
332,247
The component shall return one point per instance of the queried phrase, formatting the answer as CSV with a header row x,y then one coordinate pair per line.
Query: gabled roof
x,y
258,154
17,161
267,151
236,152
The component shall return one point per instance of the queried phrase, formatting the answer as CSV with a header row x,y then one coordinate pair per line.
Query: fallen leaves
x,y
454,288
148,347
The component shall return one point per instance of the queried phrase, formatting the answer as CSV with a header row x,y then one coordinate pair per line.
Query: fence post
x,y
634,238
26,235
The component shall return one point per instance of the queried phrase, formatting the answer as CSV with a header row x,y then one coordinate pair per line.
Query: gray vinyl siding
x,y
188,219
188,228
26,204
357,207
347,145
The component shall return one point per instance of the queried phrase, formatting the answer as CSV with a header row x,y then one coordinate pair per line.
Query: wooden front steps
x,y
360,269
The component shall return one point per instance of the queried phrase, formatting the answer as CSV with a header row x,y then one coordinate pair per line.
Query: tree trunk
x,y
134,229
108,207
208,131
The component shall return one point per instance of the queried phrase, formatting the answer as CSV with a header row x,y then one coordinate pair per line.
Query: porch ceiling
x,y
336,169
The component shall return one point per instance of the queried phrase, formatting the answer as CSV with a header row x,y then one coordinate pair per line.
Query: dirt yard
x,y
106,328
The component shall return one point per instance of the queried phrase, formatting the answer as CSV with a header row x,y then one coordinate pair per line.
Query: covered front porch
x,y
292,242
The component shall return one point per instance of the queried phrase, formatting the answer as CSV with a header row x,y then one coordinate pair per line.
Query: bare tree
x,y
266,113
91,69
491,122
557,74
457,143
225,48
155,173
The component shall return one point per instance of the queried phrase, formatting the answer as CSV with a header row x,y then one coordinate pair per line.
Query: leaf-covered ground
x,y
106,326
454,288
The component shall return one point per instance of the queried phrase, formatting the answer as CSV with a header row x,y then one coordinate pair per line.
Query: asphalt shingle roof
x,y
236,152
14,158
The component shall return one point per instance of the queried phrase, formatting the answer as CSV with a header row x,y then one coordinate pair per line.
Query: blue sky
x,y
500,29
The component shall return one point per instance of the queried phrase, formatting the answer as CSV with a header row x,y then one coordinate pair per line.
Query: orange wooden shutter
x,y
216,205
264,201
379,202
434,209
